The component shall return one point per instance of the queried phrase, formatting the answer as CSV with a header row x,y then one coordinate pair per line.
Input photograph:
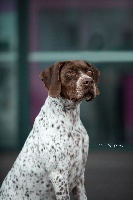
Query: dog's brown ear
x,y
96,75
51,79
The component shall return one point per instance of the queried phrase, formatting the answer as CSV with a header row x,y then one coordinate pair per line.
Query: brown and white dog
x,y
52,161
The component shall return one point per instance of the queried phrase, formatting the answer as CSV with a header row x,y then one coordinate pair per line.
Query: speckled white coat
x,y
52,161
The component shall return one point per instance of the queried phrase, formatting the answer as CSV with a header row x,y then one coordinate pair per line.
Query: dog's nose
x,y
87,81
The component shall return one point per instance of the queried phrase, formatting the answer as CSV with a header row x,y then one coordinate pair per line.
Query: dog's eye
x,y
89,73
71,72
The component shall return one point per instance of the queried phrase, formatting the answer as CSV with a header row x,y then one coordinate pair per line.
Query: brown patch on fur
x,y
51,79
96,75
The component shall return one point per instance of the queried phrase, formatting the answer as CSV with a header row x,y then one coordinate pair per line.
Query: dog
x,y
52,162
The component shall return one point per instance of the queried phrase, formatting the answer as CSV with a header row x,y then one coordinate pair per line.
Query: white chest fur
x,y
63,140
58,142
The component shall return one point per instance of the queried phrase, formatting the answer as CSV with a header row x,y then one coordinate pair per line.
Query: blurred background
x,y
36,33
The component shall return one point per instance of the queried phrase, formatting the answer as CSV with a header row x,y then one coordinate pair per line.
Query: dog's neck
x,y
62,103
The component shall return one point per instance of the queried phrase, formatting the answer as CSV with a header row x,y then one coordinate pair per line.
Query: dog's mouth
x,y
88,96
83,93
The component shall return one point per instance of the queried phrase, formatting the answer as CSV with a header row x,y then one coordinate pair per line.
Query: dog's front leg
x,y
79,190
60,184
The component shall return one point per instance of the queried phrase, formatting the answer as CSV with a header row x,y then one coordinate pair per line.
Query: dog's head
x,y
74,80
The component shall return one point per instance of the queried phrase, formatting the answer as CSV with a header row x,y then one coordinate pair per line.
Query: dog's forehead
x,y
77,65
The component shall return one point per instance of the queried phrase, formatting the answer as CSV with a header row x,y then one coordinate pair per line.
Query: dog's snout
x,y
87,81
